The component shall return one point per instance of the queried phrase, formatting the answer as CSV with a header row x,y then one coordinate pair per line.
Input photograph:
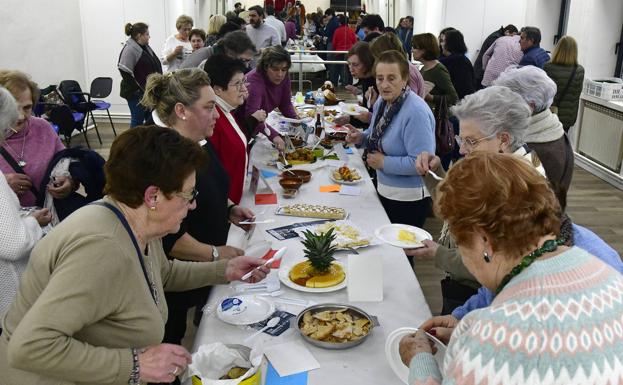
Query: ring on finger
x,y
174,372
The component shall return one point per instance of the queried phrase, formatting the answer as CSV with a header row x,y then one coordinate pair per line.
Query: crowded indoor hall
x,y
311,192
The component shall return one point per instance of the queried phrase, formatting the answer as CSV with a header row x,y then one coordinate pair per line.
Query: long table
x,y
403,302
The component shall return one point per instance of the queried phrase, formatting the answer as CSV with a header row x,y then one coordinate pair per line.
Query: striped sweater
x,y
558,322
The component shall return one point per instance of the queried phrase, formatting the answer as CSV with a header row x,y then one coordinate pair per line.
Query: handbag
x,y
444,131
554,106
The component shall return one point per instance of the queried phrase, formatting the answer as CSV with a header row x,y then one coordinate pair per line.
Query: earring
x,y
183,118
153,208
487,257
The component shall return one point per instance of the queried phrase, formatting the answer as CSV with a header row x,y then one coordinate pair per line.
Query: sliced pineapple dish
x,y
320,269
334,326
407,236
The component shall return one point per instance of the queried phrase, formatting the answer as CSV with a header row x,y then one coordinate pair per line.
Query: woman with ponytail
x,y
137,61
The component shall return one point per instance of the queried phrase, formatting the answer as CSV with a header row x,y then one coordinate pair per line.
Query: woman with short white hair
x,y
545,135
18,232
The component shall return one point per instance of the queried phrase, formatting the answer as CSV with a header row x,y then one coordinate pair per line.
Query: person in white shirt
x,y
18,232
177,47
276,23
261,34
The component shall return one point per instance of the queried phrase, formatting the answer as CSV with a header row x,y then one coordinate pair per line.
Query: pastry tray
x,y
314,214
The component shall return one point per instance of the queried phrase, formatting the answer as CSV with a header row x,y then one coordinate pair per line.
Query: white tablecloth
x,y
403,302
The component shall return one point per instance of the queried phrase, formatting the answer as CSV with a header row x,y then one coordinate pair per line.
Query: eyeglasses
x,y
189,196
240,84
471,143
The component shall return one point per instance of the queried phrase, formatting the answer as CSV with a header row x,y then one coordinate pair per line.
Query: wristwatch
x,y
215,254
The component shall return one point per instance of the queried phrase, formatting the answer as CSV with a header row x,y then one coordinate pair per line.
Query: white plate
x,y
258,250
392,354
341,239
284,277
244,309
343,181
389,234
352,109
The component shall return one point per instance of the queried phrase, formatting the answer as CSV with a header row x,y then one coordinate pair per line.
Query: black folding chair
x,y
100,89
74,97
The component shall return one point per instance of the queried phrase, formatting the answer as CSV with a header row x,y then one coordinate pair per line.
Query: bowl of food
x,y
236,370
335,325
291,183
304,175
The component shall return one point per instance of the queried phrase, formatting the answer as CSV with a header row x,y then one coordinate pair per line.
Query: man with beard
x,y
261,34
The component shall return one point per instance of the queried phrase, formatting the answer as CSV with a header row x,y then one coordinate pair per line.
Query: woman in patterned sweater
x,y
558,312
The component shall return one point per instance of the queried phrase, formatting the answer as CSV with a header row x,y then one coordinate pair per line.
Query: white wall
x,y
596,25
43,39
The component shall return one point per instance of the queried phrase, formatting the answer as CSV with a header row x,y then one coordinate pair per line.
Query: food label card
x,y
287,232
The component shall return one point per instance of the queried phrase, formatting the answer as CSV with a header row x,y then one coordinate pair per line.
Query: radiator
x,y
601,135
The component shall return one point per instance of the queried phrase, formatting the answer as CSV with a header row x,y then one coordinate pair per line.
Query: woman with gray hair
x,y
494,119
545,134
19,231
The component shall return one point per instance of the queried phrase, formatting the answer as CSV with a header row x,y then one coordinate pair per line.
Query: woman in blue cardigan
x,y
402,127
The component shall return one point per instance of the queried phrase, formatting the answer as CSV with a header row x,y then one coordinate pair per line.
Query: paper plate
x,y
393,356
284,272
389,234
344,181
258,250
352,109
244,309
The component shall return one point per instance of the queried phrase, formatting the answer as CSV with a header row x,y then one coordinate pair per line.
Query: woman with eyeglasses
x,y
185,101
269,88
229,139
90,308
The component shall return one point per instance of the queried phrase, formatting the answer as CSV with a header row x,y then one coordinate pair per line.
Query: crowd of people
x,y
518,275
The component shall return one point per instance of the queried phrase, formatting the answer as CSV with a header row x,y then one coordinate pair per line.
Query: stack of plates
x,y
393,356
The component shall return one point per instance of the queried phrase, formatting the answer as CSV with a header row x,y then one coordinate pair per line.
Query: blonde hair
x,y
566,52
215,24
17,82
182,20
163,92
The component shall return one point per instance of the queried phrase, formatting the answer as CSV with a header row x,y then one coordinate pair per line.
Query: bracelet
x,y
230,208
135,374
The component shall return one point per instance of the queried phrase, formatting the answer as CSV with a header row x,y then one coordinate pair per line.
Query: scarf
x,y
384,120
130,55
544,127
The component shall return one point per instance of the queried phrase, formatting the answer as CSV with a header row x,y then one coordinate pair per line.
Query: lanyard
x,y
126,225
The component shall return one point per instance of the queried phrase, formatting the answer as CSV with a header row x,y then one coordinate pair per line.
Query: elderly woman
x,y
90,307
136,62
402,127
177,46
269,88
229,139
30,146
545,134
568,74
185,101
530,333
492,120
19,232
360,64
197,38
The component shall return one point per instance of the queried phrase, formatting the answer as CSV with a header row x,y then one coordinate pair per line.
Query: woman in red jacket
x,y
229,139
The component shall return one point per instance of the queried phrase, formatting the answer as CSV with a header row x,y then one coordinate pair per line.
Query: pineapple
x,y
318,250
319,270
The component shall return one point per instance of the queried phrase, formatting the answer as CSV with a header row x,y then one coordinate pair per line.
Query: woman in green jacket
x,y
569,77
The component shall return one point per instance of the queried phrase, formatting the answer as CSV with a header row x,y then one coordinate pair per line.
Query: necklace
x,y
20,158
549,246
152,282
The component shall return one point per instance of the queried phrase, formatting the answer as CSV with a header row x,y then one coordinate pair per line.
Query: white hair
x,y
532,83
8,112
496,109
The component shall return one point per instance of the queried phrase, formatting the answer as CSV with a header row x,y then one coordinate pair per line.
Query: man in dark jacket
x,y
533,54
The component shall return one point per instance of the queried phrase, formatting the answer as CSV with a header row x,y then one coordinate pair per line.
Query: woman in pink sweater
x,y
30,145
